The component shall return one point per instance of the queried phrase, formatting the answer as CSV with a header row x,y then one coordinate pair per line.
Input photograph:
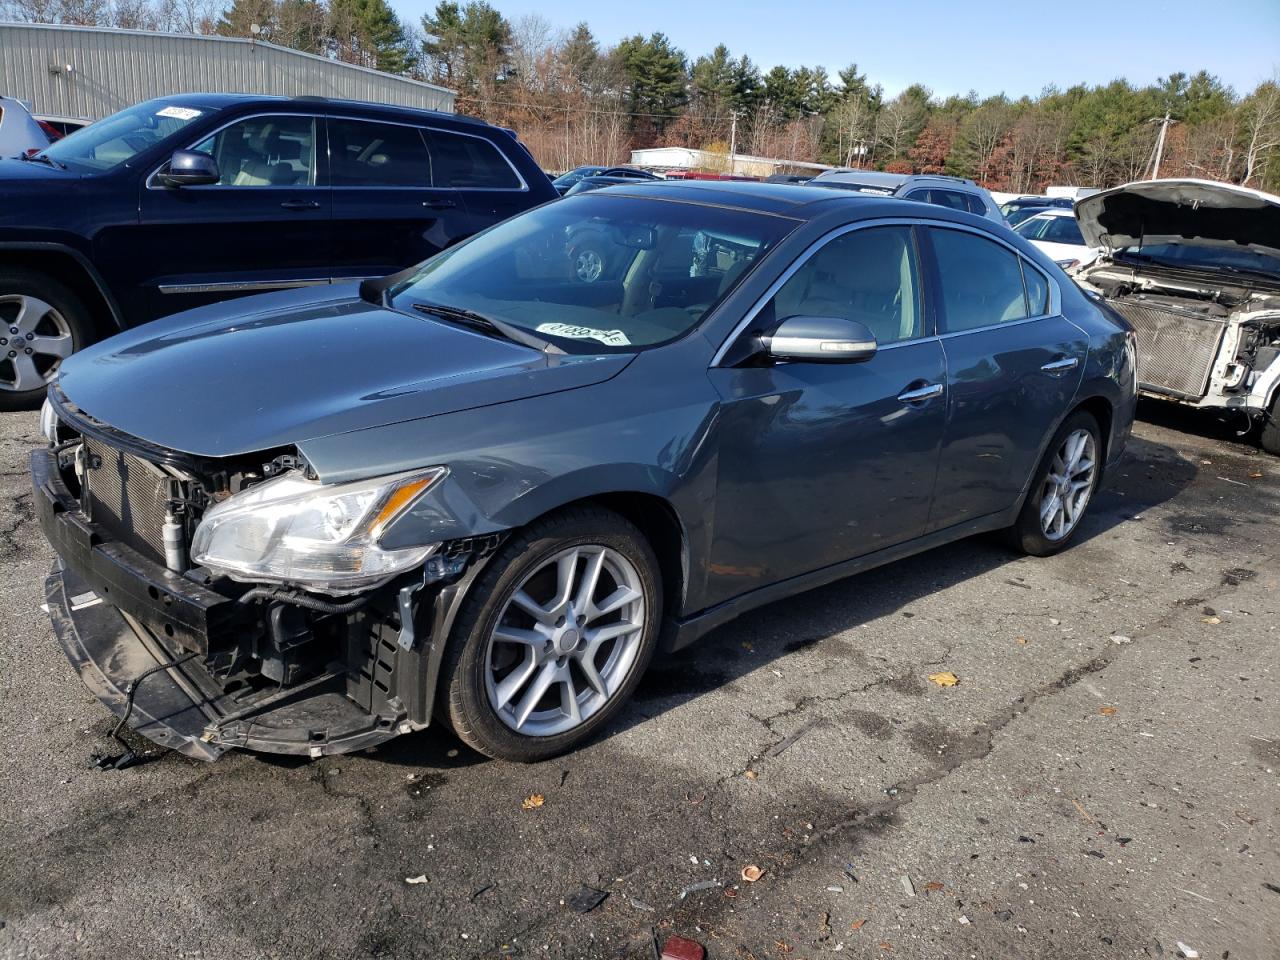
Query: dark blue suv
x,y
189,199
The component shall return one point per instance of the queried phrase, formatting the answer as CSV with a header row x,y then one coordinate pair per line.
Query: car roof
x,y
891,181
1054,211
390,110
797,200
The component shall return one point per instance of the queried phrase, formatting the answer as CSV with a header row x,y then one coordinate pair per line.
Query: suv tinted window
x,y
976,206
981,281
467,161
368,154
866,275
271,151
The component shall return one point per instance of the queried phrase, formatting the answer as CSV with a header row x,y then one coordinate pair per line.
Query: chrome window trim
x,y
150,181
1055,296
524,185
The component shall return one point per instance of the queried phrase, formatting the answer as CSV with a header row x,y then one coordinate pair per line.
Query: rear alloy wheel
x,y
554,636
41,324
1062,489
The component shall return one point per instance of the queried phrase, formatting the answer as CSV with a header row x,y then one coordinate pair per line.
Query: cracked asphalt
x,y
1102,781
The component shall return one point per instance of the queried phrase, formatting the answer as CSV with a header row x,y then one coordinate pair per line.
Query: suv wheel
x,y
554,636
42,322
1063,486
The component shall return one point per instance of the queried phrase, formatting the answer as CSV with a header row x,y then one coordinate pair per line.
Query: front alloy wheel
x,y
42,322
553,636
566,641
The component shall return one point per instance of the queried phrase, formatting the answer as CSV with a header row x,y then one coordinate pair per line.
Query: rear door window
x,y
364,153
459,160
981,281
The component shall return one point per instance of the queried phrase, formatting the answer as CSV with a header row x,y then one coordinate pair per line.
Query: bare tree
x,y
1261,129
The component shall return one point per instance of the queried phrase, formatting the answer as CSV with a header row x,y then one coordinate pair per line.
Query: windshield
x,y
122,136
1202,257
599,273
573,176
1051,229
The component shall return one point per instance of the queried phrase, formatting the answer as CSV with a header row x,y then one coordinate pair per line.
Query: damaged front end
x,y
1194,267
1204,343
156,600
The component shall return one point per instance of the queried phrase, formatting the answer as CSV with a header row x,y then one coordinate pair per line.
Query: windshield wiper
x,y
42,158
1249,272
486,324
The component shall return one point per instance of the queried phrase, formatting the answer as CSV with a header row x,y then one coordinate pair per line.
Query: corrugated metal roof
x,y
92,72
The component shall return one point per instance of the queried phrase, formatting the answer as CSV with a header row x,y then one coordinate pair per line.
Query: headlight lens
x,y
321,536
48,422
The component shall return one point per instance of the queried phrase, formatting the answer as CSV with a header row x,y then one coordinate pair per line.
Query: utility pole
x,y
733,142
1159,154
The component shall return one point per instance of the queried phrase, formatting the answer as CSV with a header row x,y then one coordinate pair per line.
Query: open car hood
x,y
1181,211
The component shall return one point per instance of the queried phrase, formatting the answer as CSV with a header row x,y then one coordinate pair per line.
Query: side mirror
x,y
189,168
822,340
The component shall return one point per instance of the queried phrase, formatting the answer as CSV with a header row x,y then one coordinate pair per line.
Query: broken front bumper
x,y
119,615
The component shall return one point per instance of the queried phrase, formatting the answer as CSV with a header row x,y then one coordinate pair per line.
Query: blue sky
x,y
1007,46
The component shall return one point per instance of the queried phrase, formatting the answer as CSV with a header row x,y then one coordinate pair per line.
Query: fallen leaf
x,y
1211,620
782,946
886,945
1107,711
751,775
932,885
1256,475
944,679
751,873
857,924
1022,641
533,801
420,878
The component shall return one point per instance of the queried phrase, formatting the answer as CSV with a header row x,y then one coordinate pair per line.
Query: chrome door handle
x,y
927,392
439,204
1061,366
301,205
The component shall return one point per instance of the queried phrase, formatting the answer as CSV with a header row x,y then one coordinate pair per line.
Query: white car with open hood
x,y
1194,266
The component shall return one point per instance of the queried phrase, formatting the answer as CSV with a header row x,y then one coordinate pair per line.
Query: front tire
x,y
1269,438
42,322
1061,489
553,637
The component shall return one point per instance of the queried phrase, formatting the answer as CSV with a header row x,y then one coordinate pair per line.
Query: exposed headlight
x,y
321,536
48,422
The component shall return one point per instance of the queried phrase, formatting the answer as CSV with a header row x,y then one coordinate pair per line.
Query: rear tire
x,y
42,322
1061,488
553,637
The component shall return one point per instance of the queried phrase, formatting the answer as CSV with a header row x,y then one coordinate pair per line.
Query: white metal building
x,y
91,72
687,158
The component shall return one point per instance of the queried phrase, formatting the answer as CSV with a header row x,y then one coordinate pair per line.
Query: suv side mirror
x,y
189,168
822,340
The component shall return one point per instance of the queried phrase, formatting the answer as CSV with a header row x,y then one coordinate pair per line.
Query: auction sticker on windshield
x,y
178,113
610,338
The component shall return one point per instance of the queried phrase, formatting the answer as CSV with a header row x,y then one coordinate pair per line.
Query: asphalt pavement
x,y
1102,781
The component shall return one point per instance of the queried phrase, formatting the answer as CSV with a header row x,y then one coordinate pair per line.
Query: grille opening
x,y
1176,348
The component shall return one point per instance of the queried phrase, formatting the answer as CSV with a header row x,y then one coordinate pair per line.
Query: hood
x,y
284,368
1195,211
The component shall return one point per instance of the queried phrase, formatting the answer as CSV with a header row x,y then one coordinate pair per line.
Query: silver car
x,y
956,193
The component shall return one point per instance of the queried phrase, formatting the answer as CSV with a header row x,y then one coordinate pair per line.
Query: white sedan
x,y
1056,233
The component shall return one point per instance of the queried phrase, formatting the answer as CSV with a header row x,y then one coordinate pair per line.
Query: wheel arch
x,y
1100,408
68,265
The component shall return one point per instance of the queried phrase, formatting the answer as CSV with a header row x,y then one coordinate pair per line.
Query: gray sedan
x,y
490,491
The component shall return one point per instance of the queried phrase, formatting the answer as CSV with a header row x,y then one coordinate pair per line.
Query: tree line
x,y
574,100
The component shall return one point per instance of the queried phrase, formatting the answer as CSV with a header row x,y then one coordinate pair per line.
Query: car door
x,y
388,212
264,225
1013,366
491,188
823,462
